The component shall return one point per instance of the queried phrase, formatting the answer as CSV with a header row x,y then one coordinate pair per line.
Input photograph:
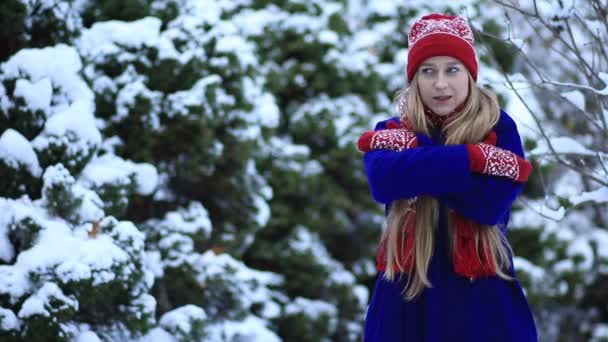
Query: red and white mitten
x,y
397,139
491,160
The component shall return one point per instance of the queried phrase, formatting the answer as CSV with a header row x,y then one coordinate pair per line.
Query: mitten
x,y
397,139
491,160
400,137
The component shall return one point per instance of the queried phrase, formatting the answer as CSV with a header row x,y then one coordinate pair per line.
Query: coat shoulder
x,y
505,123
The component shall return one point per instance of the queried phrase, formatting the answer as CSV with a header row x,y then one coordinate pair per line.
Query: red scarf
x,y
465,259
469,261
440,120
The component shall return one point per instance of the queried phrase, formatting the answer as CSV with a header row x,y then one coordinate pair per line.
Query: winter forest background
x,y
186,170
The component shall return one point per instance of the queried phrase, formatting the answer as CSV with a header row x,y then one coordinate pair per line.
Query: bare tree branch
x,y
537,70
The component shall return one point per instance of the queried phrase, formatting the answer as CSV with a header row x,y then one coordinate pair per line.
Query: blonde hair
x,y
480,113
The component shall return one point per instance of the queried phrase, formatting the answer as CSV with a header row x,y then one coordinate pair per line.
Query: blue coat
x,y
455,308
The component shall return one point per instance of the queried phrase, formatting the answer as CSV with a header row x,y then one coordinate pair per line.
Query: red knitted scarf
x,y
470,259
440,120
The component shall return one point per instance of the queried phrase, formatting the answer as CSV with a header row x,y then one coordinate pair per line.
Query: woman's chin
x,y
443,110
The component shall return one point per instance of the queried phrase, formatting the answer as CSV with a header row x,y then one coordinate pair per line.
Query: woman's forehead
x,y
441,60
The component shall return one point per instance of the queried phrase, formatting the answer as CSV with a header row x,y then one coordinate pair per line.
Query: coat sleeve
x,y
444,172
429,169
426,170
488,199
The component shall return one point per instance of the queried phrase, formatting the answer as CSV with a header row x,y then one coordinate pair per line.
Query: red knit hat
x,y
441,35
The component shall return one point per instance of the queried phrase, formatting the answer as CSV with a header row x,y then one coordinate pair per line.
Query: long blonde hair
x,y
480,113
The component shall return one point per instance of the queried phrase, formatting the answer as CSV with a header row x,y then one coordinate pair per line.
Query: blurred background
x,y
186,170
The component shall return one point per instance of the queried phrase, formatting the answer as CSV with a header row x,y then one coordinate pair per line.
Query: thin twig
x,y
538,72
588,69
548,140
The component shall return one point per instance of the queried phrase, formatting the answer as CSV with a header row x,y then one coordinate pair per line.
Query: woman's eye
x,y
453,69
427,70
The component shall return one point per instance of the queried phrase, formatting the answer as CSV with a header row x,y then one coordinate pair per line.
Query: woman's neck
x,y
439,120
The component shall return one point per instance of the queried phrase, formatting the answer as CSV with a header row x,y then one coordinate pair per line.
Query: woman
x,y
448,170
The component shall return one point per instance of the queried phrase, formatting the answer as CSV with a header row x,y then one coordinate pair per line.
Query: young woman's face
x,y
443,83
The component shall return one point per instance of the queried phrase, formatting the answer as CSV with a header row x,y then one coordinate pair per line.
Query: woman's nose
x,y
441,81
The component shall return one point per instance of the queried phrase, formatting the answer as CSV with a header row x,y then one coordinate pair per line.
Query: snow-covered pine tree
x,y
69,268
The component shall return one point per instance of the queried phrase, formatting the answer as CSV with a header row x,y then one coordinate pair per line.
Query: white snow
x,y
8,320
576,98
127,233
40,302
60,64
251,329
252,22
80,257
193,220
157,335
37,96
263,210
266,112
365,38
100,254
561,145
13,211
600,332
600,237
604,77
306,242
16,151
14,282
180,320
555,214
126,100
146,178
78,118
91,205
262,195
271,310
343,113
179,101
113,170
329,37
524,265
293,157
384,7
569,185
598,196
581,247
362,294
216,264
87,336
73,271
563,266
314,309
106,36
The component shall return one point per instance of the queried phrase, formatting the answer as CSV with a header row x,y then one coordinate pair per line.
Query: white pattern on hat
x,y
456,27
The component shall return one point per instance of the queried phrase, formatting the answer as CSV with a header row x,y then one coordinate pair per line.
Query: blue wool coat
x,y
455,308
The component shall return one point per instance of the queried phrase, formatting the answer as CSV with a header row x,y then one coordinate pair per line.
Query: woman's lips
x,y
441,99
